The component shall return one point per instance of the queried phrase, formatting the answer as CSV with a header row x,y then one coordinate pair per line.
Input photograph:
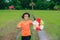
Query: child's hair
x,y
25,14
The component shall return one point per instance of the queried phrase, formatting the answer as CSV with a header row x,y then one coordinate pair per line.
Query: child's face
x,y
26,17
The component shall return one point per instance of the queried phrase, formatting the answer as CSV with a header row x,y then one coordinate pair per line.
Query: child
x,y
25,26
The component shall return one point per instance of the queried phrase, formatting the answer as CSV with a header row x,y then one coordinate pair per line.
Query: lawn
x,y
10,18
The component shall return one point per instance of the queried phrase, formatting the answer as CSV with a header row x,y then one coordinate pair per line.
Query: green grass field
x,y
10,18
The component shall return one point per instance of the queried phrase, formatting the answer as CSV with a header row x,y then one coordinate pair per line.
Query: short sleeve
x,y
19,25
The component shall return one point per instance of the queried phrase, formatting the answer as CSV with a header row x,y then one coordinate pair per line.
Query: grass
x,y
10,18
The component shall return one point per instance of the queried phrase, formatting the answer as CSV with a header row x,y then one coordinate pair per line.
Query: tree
x,y
57,7
41,4
2,6
24,4
18,5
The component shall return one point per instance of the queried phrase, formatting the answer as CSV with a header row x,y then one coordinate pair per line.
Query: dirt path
x,y
9,31
43,35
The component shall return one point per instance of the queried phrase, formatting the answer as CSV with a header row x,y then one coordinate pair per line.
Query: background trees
x,y
25,4
2,6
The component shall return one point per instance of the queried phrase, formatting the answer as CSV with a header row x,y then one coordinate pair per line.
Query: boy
x,y
25,26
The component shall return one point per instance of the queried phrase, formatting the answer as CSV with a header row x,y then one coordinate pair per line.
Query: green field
x,y
10,18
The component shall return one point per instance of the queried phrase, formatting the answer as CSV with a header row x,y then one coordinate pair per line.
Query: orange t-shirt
x,y
25,26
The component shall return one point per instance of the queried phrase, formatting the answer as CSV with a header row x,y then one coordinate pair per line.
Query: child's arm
x,y
19,25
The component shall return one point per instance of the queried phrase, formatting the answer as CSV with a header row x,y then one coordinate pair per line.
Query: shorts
x,y
26,37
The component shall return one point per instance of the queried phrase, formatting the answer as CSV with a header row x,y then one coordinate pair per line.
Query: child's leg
x,y
24,38
28,37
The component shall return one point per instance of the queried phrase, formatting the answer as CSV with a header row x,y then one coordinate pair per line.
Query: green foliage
x,y
2,6
18,7
57,7
24,4
41,4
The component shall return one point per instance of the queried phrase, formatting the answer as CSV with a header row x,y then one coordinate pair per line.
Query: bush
x,y
57,7
18,7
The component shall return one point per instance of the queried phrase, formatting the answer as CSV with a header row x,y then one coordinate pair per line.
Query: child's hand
x,y
35,24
